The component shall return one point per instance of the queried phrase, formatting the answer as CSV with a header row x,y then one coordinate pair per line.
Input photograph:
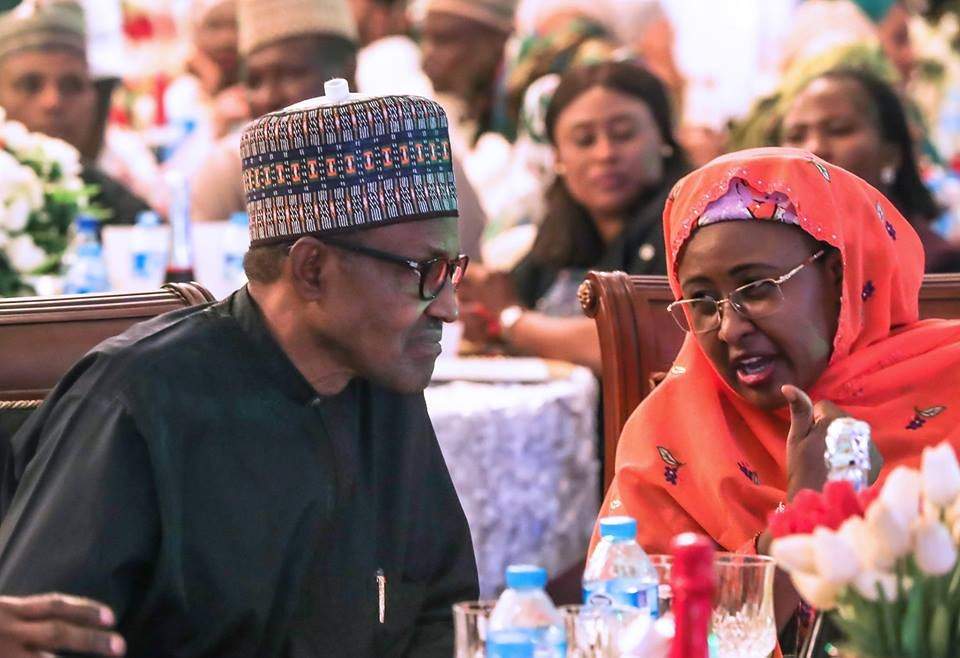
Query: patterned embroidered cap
x,y
343,162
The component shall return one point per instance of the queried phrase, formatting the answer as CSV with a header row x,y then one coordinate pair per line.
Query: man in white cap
x,y
463,45
258,478
46,84
288,49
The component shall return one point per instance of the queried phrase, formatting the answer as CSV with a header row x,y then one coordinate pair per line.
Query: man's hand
x,y
35,626
806,441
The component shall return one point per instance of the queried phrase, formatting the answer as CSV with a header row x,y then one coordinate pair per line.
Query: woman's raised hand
x,y
806,441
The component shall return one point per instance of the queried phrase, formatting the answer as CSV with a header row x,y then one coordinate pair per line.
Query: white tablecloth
x,y
523,459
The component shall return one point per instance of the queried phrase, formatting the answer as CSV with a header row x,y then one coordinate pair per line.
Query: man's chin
x,y
407,381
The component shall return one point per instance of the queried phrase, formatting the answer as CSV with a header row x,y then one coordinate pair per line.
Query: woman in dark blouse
x,y
617,159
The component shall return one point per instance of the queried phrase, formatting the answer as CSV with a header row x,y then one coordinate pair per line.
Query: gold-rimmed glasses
x,y
753,300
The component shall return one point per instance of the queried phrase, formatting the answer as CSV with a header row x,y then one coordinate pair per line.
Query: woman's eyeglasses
x,y
433,273
754,300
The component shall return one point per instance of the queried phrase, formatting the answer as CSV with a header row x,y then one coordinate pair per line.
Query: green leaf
x,y
940,631
911,629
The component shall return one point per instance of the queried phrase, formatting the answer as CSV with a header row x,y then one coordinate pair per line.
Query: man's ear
x,y
308,261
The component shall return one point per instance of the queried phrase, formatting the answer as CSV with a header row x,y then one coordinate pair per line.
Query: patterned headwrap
x,y
343,162
43,24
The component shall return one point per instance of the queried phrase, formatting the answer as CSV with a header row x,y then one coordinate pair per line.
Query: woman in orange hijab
x,y
797,281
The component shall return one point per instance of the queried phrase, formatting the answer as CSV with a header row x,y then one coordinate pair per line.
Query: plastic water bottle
x,y
149,250
84,268
180,264
525,611
619,572
235,244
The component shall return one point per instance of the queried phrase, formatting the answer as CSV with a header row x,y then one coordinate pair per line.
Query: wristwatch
x,y
509,317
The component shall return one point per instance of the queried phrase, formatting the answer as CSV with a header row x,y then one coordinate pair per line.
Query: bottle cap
x,y
86,223
618,527
148,218
526,576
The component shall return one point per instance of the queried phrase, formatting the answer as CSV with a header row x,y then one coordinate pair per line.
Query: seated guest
x,y
259,477
617,159
463,44
797,282
45,84
287,51
856,121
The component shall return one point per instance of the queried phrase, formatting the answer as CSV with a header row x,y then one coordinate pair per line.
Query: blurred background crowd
x,y
572,120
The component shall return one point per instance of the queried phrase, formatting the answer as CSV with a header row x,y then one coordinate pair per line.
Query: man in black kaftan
x,y
259,477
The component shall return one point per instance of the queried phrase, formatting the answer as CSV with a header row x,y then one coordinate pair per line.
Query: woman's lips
x,y
609,182
755,371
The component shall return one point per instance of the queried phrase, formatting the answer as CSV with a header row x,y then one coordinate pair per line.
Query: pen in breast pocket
x,y
382,594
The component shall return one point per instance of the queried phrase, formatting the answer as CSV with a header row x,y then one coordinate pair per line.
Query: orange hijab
x,y
696,456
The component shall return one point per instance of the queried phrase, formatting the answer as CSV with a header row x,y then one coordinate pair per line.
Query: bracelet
x,y
507,319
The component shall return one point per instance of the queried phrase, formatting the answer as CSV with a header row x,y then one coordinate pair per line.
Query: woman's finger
x,y
801,412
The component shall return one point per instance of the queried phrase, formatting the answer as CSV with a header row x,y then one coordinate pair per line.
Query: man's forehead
x,y
436,234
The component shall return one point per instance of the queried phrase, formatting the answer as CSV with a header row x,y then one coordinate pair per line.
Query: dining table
x,y
520,439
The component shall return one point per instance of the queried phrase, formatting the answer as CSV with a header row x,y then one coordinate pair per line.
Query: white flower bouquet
x,y
41,192
885,563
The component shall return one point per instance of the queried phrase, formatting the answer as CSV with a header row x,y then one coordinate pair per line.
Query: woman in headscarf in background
x,y
856,121
798,285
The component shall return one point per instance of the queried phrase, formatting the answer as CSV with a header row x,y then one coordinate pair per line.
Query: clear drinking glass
x,y
743,622
594,631
470,620
663,565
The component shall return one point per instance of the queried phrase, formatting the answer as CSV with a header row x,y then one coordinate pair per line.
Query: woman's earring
x,y
559,169
888,174
666,151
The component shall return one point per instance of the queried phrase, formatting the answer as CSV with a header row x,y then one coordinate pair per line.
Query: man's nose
x,y
445,307
50,97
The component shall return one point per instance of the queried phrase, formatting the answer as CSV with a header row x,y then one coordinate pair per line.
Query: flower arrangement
x,y
883,562
41,193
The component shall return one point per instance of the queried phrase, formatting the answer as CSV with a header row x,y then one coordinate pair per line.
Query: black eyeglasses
x,y
432,273
754,300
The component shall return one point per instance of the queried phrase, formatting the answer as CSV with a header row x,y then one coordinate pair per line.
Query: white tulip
x,y
887,537
24,254
935,551
866,584
854,532
794,553
901,493
836,560
815,590
941,475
